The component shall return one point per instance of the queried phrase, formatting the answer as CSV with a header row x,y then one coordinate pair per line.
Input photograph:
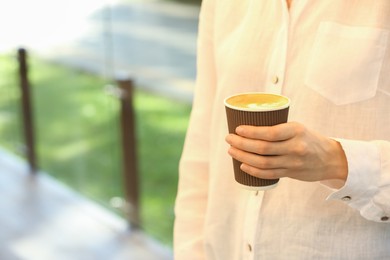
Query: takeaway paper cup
x,y
257,109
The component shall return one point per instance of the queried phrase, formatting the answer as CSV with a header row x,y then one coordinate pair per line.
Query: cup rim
x,y
256,109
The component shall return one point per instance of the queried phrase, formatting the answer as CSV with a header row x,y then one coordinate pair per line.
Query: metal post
x,y
27,113
130,167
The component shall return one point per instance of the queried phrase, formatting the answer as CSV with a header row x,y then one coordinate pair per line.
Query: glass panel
x,y
76,50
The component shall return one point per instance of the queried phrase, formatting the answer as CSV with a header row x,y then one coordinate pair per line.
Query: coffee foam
x,y
257,101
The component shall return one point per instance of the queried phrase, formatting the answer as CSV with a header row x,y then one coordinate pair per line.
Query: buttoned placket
x,y
276,74
251,220
277,67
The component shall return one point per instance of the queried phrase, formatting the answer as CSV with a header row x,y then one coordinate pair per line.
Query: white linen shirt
x,y
332,58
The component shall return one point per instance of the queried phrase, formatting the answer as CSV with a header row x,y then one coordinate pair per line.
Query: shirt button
x,y
249,248
256,193
385,218
275,79
346,198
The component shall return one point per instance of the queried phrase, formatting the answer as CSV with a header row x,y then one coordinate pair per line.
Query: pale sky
x,y
42,23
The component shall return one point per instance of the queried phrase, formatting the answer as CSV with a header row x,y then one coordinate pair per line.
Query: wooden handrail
x,y
129,152
27,112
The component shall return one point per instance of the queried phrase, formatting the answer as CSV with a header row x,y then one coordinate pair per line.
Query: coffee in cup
x,y
257,109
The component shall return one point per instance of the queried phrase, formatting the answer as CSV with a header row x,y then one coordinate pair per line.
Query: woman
x,y
332,59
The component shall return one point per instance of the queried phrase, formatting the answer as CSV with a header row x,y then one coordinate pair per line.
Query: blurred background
x,y
95,97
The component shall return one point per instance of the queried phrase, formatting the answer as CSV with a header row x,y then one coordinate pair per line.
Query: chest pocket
x,y
346,61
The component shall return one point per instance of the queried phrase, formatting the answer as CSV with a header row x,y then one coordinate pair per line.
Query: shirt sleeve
x,y
367,188
191,200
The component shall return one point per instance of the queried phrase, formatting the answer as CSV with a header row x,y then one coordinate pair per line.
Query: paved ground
x,y
41,219
153,41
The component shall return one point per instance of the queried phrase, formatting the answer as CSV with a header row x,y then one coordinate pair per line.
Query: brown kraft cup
x,y
257,109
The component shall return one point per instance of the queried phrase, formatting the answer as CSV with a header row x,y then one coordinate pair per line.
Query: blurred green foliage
x,y
78,137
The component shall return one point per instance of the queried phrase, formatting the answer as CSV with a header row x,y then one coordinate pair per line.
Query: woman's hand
x,y
287,150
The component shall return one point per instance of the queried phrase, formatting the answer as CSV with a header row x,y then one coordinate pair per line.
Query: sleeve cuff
x,y
363,174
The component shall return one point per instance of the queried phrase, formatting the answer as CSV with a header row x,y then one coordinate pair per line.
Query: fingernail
x,y
227,138
239,129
